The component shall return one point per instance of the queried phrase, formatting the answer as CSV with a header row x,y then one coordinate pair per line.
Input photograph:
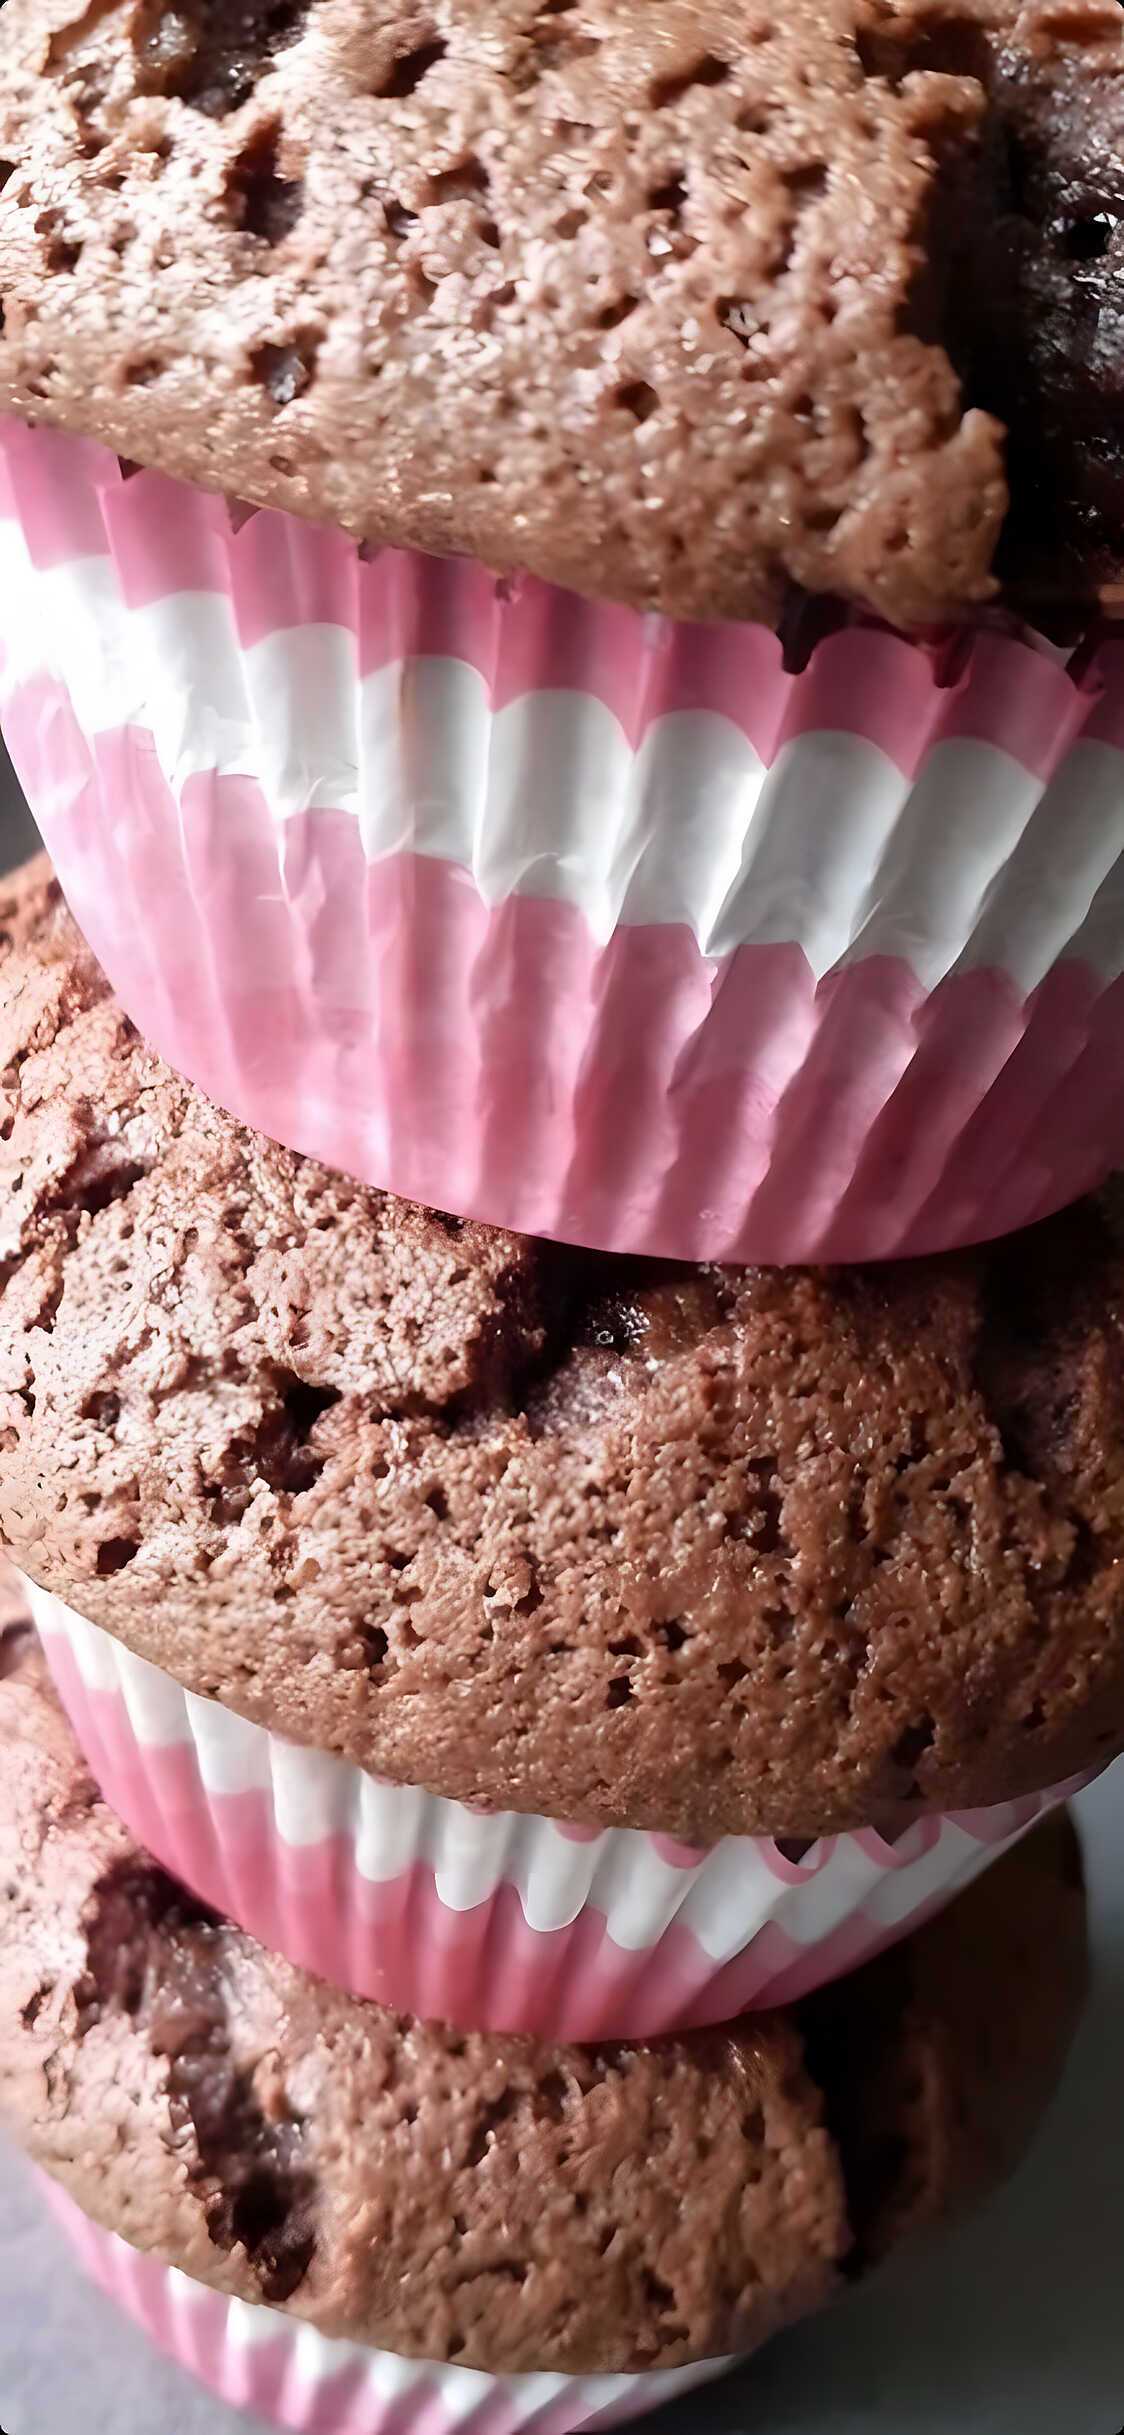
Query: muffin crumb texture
x,y
696,306
712,1551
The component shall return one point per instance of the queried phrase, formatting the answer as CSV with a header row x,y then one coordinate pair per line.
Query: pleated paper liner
x,y
498,1922
563,917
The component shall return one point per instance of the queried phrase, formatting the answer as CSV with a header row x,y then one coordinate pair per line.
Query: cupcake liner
x,y
288,2374
495,1922
564,917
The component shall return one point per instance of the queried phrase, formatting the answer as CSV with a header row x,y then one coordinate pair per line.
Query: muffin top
x,y
506,2204
695,306
708,1551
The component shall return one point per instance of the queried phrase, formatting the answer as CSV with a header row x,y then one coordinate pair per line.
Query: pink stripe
x,y
989,1826
636,1096
678,1855
53,488
1102,678
398,1943
913,1845
166,538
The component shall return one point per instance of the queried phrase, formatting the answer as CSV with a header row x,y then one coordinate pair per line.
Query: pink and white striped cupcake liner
x,y
494,1922
567,918
292,2376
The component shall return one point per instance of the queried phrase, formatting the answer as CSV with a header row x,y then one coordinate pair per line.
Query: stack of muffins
x,y
589,770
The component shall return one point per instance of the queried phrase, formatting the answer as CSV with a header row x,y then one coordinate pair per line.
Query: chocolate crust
x,y
650,303
699,308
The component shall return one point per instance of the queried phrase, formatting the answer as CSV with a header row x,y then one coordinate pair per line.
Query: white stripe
x,y
725,1899
831,849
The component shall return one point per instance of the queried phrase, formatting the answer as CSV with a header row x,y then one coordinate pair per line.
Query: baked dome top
x,y
695,306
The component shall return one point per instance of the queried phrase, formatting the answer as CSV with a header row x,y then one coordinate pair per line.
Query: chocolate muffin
x,y
491,2200
692,306
708,1551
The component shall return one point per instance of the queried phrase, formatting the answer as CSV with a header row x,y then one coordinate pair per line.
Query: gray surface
x,y
1012,2326
18,833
